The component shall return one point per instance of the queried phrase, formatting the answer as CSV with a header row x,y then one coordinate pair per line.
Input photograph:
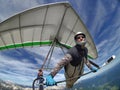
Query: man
x,y
73,62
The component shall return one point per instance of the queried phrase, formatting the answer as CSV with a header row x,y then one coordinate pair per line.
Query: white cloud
x,y
10,7
16,70
24,70
101,44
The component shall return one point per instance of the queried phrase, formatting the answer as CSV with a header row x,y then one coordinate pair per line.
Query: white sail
x,y
41,25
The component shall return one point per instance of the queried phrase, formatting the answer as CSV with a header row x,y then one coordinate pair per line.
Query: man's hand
x,y
93,69
50,81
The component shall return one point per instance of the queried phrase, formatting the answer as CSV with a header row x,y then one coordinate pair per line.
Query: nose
x,y
80,39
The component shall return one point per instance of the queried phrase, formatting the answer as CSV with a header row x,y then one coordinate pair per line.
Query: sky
x,y
101,17
22,65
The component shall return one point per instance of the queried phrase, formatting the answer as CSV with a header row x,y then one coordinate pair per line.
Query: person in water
x,y
73,62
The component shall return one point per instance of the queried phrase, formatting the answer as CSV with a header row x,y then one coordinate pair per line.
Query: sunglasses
x,y
80,37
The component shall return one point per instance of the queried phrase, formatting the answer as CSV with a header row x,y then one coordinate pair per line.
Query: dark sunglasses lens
x,y
80,37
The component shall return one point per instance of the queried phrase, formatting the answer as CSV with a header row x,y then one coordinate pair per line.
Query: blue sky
x,y
21,65
101,17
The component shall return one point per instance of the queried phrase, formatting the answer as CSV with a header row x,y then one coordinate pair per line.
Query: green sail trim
x,y
26,44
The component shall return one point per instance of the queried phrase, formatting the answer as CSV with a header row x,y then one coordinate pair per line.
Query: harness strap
x,y
72,73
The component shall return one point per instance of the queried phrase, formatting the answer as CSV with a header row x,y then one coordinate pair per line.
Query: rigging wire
x,y
49,53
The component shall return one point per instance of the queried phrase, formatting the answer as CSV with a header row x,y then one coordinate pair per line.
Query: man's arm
x,y
93,69
49,79
87,63
64,61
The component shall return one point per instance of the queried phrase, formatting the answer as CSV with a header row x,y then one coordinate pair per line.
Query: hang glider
x,y
42,25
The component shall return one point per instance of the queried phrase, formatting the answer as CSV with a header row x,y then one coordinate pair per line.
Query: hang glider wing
x,y
41,25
